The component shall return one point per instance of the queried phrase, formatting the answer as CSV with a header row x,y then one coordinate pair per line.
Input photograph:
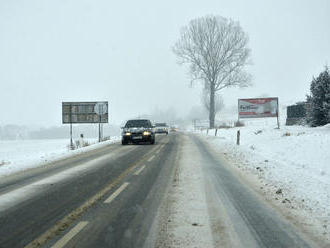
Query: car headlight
x,y
146,133
127,134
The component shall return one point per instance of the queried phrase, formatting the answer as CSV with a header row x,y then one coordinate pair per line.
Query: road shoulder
x,y
289,211
183,219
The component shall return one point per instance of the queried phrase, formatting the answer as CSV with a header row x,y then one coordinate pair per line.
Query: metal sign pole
x,y
100,130
102,136
278,122
71,141
100,108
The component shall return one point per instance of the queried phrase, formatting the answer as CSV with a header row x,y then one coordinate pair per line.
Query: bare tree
x,y
218,101
216,50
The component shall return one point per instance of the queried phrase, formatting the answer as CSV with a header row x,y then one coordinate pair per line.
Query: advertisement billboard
x,y
258,107
84,112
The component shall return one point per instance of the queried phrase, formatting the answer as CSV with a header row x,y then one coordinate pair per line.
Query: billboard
x,y
258,107
84,112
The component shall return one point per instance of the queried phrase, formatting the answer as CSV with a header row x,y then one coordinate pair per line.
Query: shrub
x,y
224,125
106,138
239,124
318,114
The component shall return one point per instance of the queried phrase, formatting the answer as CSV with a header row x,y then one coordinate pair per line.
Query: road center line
x,y
17,196
139,170
160,148
151,158
116,193
67,237
76,213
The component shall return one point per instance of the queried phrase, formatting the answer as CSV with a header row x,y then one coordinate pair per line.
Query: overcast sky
x,y
120,51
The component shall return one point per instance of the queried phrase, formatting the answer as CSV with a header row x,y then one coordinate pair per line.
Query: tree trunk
x,y
212,107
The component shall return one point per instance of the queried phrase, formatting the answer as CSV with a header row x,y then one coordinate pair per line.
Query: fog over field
x,y
54,51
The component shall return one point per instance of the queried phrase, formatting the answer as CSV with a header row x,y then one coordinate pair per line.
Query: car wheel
x,y
123,142
152,141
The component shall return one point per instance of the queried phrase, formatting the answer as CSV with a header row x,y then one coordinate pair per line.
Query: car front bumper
x,y
135,138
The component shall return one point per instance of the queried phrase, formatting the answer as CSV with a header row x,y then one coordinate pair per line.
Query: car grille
x,y
136,133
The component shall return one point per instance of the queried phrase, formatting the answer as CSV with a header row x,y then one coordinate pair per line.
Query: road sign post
x,y
71,141
100,139
84,112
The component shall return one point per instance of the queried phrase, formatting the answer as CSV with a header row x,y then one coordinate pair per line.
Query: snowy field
x,y
292,162
18,155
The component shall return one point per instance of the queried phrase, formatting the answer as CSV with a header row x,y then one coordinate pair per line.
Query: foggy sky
x,y
120,51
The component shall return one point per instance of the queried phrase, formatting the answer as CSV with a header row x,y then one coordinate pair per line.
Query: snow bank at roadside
x,y
294,159
18,155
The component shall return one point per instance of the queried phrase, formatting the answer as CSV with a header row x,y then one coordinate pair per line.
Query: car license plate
x,y
137,137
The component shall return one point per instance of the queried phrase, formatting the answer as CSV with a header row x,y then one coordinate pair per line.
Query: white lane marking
x,y
139,170
160,148
67,237
116,193
17,196
151,158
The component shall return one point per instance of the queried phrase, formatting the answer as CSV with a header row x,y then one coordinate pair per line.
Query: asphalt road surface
x,y
110,197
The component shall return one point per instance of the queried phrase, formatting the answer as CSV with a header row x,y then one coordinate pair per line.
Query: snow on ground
x,y
18,155
294,159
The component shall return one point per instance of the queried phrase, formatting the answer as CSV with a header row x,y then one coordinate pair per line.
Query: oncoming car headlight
x,y
146,133
127,133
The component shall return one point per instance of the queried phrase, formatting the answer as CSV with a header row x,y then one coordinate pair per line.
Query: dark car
x,y
136,131
161,128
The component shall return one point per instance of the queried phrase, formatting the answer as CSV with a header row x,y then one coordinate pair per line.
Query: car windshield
x,y
138,123
160,124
